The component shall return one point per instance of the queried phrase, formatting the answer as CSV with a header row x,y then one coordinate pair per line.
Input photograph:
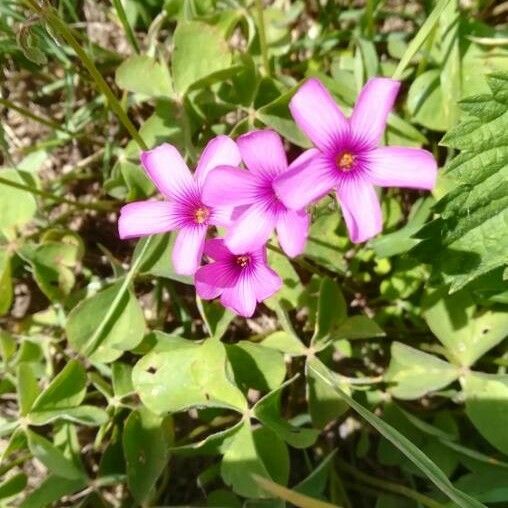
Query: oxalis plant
x,y
315,309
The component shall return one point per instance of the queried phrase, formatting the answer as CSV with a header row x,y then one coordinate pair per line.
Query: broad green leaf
x,y
144,75
13,485
415,373
314,485
146,439
67,389
285,343
53,458
17,206
28,388
331,311
411,451
124,331
487,406
466,334
291,496
242,460
186,377
255,366
291,289
199,50
325,405
84,415
358,327
51,490
468,240
122,379
6,292
486,486
267,411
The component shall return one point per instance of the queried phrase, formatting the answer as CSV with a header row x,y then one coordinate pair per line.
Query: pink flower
x,y
184,210
347,157
259,210
241,280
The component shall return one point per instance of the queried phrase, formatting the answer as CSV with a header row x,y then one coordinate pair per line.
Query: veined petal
x,y
263,153
292,230
216,249
266,282
167,170
220,151
306,182
146,218
372,108
399,166
251,230
228,186
360,208
211,279
240,298
188,249
318,115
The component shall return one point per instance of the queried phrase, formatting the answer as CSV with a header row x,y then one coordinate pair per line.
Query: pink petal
x,y
360,208
188,249
263,152
227,186
292,230
167,169
310,179
240,298
317,114
398,166
221,216
216,249
266,282
220,151
251,230
211,279
146,218
372,108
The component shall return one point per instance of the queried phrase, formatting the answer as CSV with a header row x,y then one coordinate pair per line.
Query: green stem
x,y
25,112
57,199
59,26
385,485
262,37
129,277
126,26
298,260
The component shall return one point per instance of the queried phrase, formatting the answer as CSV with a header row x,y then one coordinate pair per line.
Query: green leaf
x,y
192,375
17,207
122,379
358,327
466,334
53,458
28,388
67,389
285,343
124,331
412,452
416,373
52,489
314,485
144,75
146,439
291,289
331,311
267,411
468,239
199,50
216,317
12,486
255,366
84,415
6,292
487,406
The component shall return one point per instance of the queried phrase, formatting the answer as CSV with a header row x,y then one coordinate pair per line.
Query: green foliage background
x,y
375,377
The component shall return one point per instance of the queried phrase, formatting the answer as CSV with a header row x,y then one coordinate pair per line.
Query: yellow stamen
x,y
346,161
243,261
201,214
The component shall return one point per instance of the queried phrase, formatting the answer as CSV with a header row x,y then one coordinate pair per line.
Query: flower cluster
x,y
268,194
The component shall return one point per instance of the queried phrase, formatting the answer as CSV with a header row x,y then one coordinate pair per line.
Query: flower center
x,y
345,161
243,261
201,214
